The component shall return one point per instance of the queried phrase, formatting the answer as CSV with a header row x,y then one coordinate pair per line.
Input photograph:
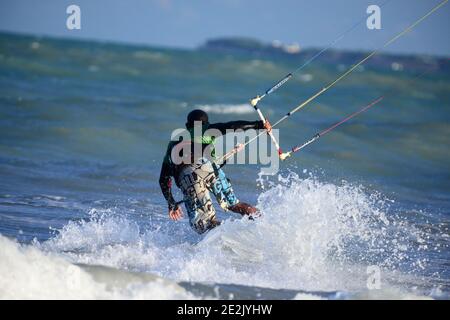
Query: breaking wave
x,y
312,237
28,273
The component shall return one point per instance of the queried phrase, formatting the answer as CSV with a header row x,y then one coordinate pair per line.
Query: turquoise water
x,y
84,127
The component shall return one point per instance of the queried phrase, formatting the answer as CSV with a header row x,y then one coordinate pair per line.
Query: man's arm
x,y
236,125
165,182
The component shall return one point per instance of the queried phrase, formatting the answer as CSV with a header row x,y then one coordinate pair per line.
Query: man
x,y
200,176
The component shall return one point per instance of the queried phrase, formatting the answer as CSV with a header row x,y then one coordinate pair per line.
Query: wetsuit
x,y
199,179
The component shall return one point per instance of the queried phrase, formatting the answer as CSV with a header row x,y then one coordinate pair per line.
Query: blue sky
x,y
188,23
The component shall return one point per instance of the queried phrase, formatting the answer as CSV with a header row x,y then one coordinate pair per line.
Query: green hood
x,y
203,139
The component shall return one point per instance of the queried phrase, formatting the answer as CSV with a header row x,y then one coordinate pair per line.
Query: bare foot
x,y
244,209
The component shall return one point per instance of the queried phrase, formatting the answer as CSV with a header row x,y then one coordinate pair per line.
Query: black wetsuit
x,y
169,170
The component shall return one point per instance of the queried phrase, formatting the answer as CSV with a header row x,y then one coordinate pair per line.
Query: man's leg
x,y
197,200
224,193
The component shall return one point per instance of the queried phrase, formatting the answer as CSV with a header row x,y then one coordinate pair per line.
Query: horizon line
x,y
197,47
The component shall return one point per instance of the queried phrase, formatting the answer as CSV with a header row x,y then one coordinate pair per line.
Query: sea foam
x,y
311,236
28,273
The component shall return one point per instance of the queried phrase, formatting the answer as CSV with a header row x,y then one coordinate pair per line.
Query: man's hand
x,y
239,147
267,126
176,214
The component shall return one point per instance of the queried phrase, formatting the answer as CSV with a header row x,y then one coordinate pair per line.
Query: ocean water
x,y
84,127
